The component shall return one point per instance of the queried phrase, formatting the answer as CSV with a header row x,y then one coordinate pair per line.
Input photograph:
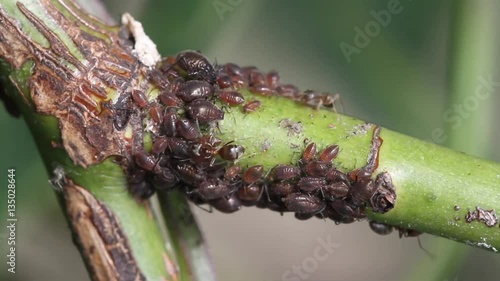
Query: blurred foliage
x,y
398,80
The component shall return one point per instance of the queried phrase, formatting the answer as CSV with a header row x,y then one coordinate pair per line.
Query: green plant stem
x,y
470,51
430,180
187,239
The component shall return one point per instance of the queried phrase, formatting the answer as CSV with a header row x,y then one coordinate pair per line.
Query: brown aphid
x,y
303,217
195,89
284,172
179,148
246,70
170,99
262,90
170,119
205,150
256,78
231,152
140,98
196,66
160,144
316,168
303,204
232,173
288,91
239,81
227,205
362,190
211,189
336,190
309,153
251,106
282,189
311,184
335,175
145,161
232,69
187,129
141,190
224,81
273,79
380,228
204,111
253,174
164,179
330,213
329,153
347,210
156,113
231,98
189,174
250,195
138,186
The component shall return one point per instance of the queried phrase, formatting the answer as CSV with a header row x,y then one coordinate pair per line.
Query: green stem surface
x,y
431,181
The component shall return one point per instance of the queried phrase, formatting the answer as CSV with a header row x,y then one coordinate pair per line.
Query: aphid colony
x,y
186,154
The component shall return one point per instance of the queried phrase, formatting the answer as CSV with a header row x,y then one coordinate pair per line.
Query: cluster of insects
x,y
186,154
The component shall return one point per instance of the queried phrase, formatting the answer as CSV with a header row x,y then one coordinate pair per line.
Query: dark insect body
x,y
311,184
282,189
196,90
309,152
196,66
171,100
160,144
231,152
232,173
231,98
156,113
140,98
262,90
187,129
273,79
211,189
336,190
284,172
224,81
190,174
164,179
178,147
227,205
204,111
380,228
329,153
170,119
250,195
145,161
251,106
253,174
303,204
316,168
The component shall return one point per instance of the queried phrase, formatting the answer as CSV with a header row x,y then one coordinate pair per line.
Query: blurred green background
x,y
424,61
